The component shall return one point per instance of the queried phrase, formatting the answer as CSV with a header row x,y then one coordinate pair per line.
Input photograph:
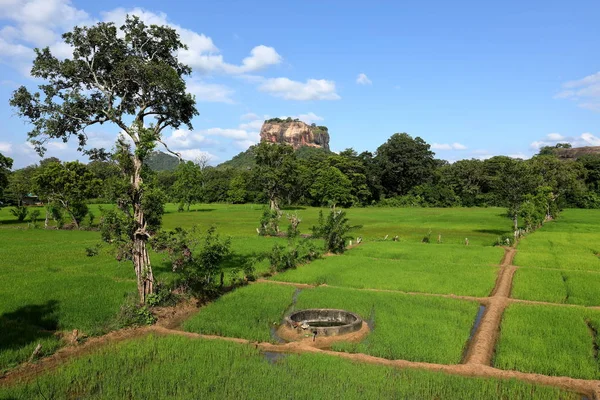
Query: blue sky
x,y
472,78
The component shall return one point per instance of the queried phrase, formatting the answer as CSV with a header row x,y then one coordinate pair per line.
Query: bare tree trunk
x,y
516,222
141,260
47,217
274,205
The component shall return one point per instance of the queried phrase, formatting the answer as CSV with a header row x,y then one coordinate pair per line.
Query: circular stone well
x,y
324,321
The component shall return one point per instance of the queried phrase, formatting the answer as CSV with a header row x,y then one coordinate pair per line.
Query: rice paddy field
x,y
401,288
177,367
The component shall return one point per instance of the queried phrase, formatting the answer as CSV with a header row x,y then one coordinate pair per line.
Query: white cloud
x,y
202,54
585,139
5,147
39,23
249,117
253,125
312,89
362,79
448,146
58,146
196,154
210,92
585,91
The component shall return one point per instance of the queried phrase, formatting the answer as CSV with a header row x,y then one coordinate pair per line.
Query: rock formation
x,y
295,133
576,152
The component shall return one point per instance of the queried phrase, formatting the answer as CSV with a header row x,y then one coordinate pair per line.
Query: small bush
x,y
334,230
34,216
427,238
133,314
269,223
19,212
92,251
162,296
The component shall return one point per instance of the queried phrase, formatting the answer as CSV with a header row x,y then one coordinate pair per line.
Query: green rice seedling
x,y
248,313
182,368
569,287
416,328
429,274
549,340
570,243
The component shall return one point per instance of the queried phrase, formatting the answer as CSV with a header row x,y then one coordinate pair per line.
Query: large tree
x,y
187,188
5,166
404,163
67,185
276,170
130,77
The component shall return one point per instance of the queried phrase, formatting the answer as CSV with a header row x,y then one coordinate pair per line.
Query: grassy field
x,y
569,287
417,328
572,242
412,267
182,368
550,340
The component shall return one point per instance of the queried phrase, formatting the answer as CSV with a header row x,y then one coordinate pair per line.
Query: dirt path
x,y
481,348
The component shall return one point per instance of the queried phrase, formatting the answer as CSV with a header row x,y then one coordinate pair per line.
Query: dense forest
x,y
403,172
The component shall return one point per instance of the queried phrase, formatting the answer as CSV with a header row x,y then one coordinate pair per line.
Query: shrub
x,y
334,230
20,212
269,223
133,314
34,216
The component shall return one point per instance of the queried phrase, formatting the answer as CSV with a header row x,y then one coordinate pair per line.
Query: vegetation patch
x,y
437,271
549,340
182,368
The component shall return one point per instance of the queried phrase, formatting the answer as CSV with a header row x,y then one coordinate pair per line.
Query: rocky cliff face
x,y
295,133
577,152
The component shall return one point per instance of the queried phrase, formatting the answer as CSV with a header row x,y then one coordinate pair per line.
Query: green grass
x,y
417,328
549,340
432,268
480,225
50,285
182,368
248,313
569,287
572,242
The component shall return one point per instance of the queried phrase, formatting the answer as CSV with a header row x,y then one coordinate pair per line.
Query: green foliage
x,y
295,253
19,212
34,216
67,186
187,188
332,187
269,222
199,267
276,170
335,230
404,163
5,167
133,314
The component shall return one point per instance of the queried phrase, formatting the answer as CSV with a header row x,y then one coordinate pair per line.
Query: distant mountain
x,y
159,161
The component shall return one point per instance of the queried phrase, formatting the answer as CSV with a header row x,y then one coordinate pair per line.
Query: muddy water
x,y
478,318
